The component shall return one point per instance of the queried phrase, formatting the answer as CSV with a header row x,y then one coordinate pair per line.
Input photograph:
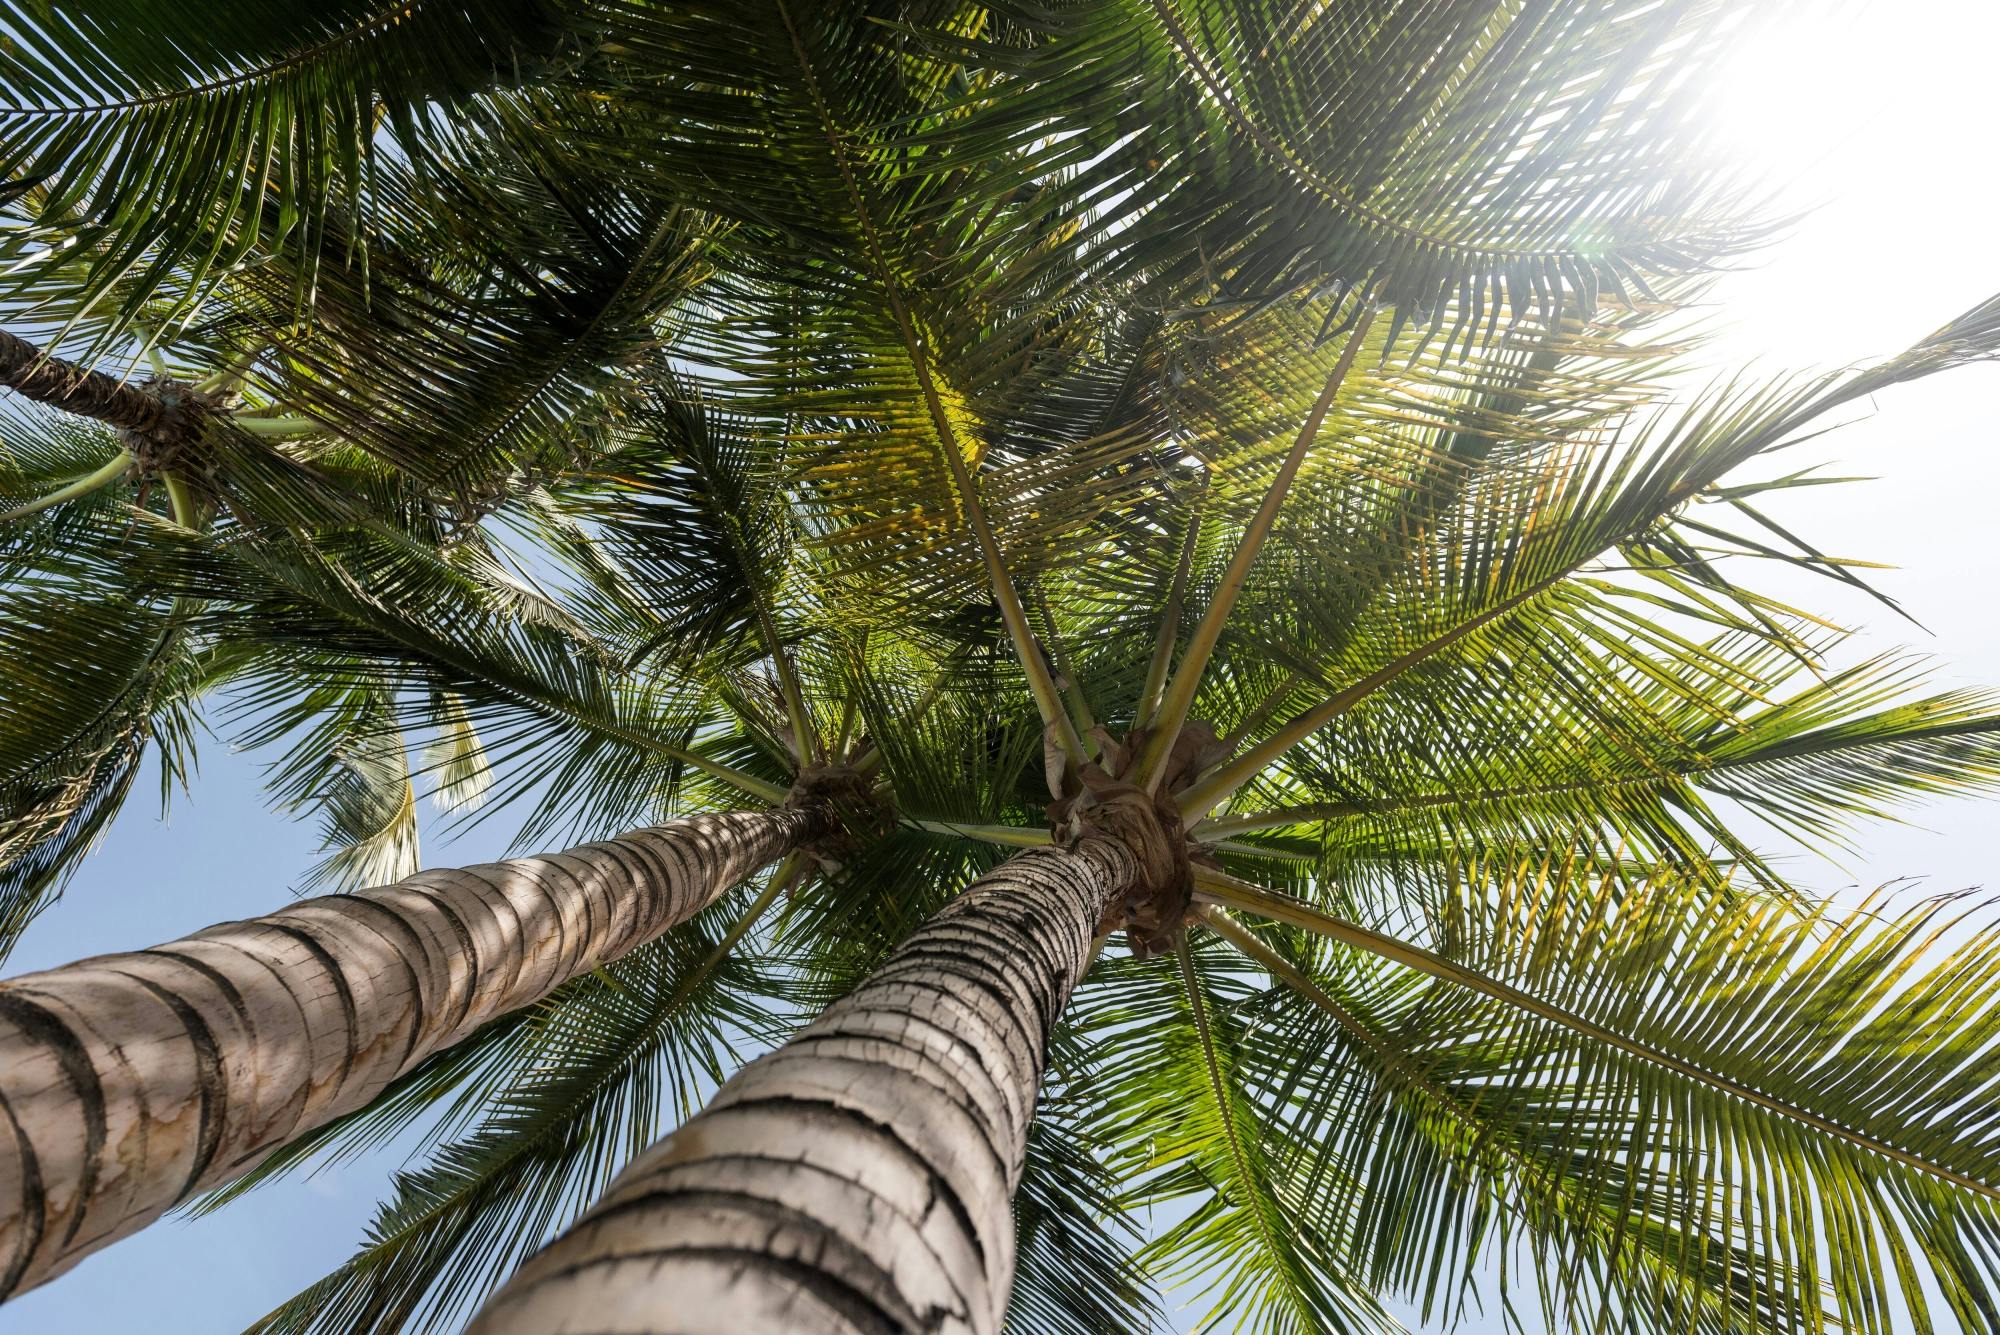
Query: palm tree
x,y
1229,452
861,1176
232,1042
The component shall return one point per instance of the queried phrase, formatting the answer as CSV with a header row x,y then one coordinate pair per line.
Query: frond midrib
x,y
388,15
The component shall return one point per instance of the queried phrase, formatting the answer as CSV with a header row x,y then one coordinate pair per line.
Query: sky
x,y
1875,117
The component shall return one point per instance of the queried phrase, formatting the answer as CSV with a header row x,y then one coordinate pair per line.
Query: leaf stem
x,y
228,379
1047,699
83,486
783,877
1219,888
1072,683
149,338
736,778
850,707
1283,969
1170,616
278,428
806,740
186,512
1222,828
1180,692
1013,836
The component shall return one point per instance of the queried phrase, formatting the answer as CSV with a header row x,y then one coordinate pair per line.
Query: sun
x,y
1792,93
1863,121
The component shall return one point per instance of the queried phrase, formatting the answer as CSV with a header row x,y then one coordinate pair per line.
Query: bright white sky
x,y
1878,118
1878,113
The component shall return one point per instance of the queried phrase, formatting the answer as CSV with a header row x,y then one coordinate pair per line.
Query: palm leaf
x,y
153,145
1745,1076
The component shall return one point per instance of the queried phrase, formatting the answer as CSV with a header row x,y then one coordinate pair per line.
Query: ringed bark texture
x,y
861,1177
128,1082
60,384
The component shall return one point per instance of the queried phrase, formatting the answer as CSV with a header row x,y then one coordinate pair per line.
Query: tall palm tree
x,y
232,1042
1227,451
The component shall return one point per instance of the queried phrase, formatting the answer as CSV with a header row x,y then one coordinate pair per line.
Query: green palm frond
x,y
1747,1076
1443,151
463,356
180,150
1197,1140
1637,760
99,675
1503,565
1076,1273
454,759
368,606
365,794
1078,1268
693,548
1487,1188
618,408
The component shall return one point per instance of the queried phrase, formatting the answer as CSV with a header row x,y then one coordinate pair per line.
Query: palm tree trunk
x,y
861,1177
61,384
128,1082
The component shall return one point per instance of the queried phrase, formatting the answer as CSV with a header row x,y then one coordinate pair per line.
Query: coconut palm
x,y
235,1041
1227,457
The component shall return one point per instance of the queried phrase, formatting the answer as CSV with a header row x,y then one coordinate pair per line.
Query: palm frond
x,y
1746,1076
1519,540
176,151
367,802
1198,1134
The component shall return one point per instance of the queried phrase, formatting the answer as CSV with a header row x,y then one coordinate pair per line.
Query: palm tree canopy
x,y
595,410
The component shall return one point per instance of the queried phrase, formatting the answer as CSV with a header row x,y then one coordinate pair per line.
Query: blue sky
x,y
1876,120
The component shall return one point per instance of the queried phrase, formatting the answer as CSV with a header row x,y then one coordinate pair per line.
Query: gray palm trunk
x,y
860,1178
129,1082
28,371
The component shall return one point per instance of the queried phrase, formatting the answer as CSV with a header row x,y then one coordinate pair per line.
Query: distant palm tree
x,y
1221,460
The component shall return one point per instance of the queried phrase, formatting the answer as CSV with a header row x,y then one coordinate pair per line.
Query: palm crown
x,y
1258,415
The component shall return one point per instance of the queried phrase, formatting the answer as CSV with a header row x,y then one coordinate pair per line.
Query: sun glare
x,y
1785,100
1864,120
